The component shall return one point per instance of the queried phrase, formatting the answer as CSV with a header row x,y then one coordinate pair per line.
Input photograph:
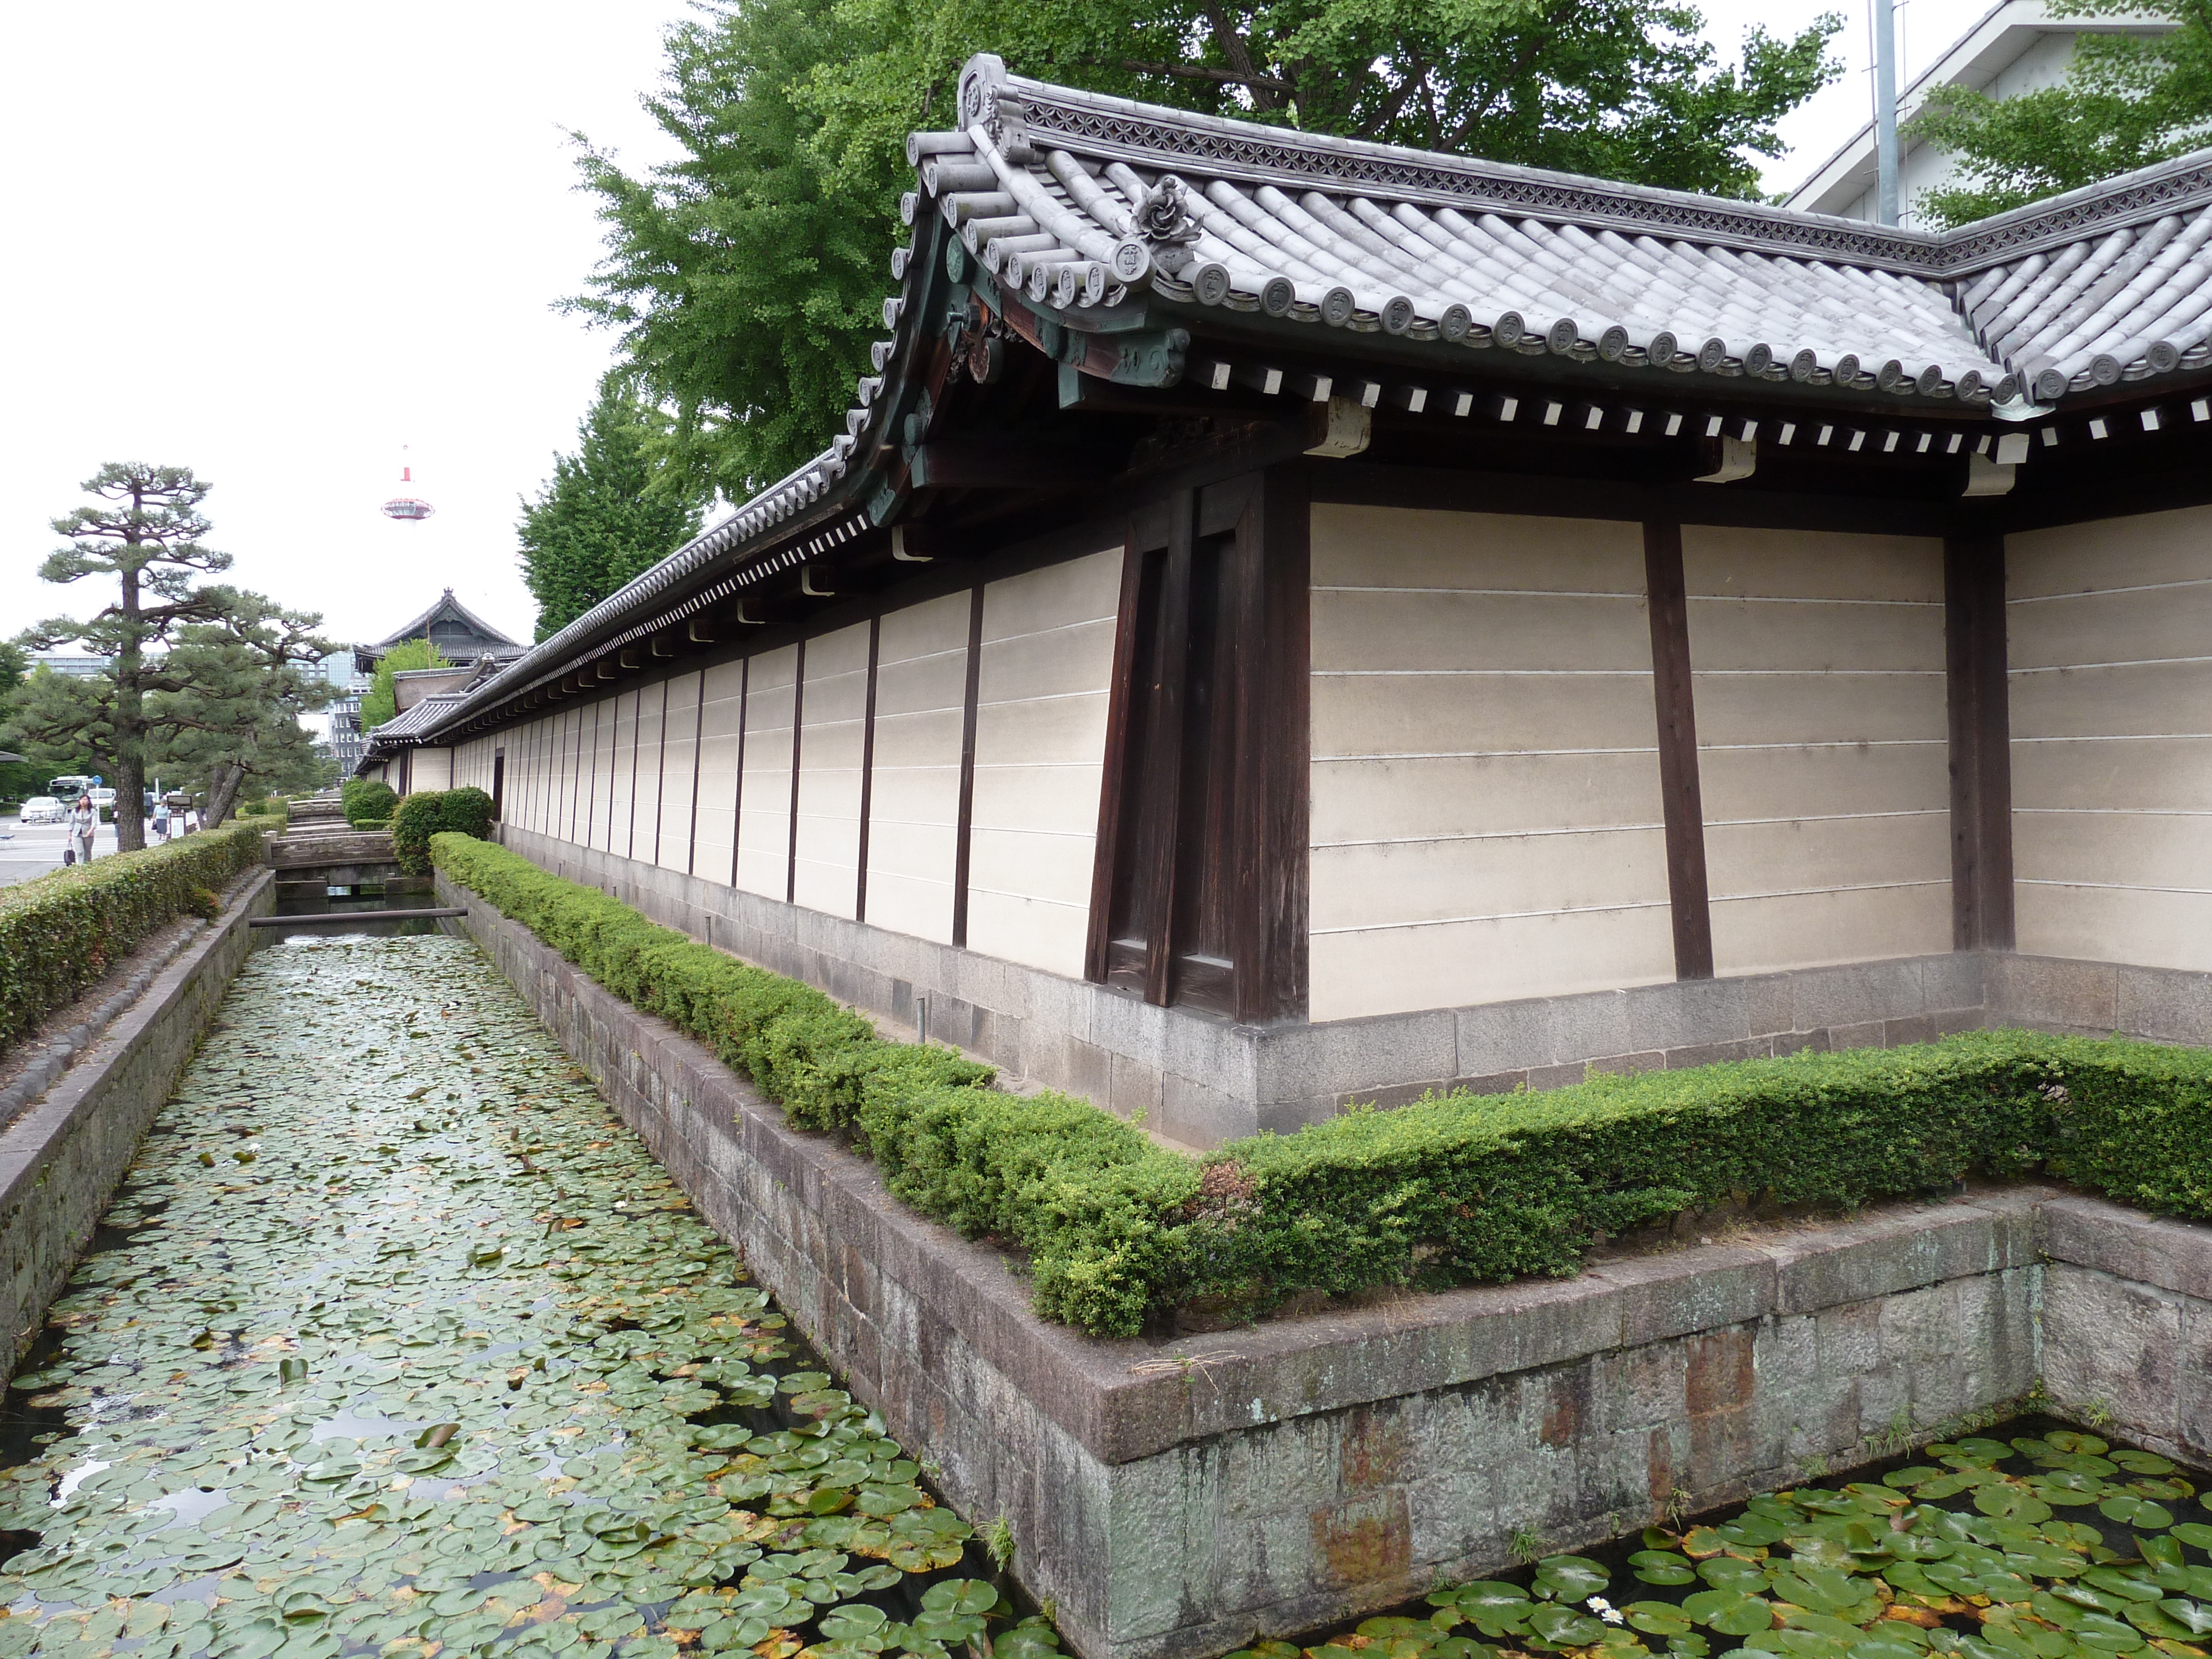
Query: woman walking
x,y
83,823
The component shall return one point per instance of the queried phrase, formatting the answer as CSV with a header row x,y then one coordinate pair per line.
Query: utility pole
x,y
1884,111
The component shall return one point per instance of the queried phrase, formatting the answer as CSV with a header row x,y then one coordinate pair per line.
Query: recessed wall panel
x,y
1485,814
1046,662
832,733
921,680
764,810
1817,663
2109,628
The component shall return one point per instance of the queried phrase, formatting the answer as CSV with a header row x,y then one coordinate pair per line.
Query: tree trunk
x,y
222,793
129,729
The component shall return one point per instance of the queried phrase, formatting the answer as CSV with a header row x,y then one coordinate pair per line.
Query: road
x,y
31,849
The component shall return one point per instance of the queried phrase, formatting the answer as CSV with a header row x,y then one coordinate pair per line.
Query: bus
x,y
68,788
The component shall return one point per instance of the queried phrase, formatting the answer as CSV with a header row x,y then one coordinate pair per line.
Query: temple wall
x,y
1047,660
833,729
679,750
921,678
1818,672
2109,629
1487,821
764,788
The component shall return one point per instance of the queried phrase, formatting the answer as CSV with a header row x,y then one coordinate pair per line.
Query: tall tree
x,y
598,522
746,278
146,532
381,700
239,688
2126,101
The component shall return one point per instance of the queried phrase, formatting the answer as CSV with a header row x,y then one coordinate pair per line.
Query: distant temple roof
x,y
449,619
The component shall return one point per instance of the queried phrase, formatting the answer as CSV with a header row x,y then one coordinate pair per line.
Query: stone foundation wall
x,y
60,1160
1177,1500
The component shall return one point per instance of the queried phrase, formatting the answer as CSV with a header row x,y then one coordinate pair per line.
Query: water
x,y
2029,1539
395,1339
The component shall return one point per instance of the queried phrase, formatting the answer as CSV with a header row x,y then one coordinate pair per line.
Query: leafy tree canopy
x,y
598,523
2127,100
747,278
381,700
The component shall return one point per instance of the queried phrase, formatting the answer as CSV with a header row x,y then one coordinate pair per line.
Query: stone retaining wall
x,y
59,1162
1175,1499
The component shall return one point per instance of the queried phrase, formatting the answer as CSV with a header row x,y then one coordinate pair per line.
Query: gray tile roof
x,y
1083,202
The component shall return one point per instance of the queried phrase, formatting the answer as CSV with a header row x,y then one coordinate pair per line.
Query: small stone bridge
x,y
318,851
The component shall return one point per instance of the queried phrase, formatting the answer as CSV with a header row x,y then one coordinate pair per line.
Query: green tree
x,y
231,716
147,532
597,522
747,277
381,700
2127,100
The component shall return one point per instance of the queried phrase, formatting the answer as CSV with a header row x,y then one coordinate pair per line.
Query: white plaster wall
x,y
1046,665
713,856
645,775
600,769
1487,821
764,795
568,774
620,756
679,746
913,798
833,728
1818,667
2110,650
433,769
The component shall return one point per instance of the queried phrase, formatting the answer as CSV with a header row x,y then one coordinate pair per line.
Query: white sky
x,y
275,243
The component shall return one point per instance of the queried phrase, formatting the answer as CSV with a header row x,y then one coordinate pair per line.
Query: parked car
x,y
102,797
42,809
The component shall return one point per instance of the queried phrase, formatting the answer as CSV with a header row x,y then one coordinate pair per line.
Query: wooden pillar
x,y
1271,847
963,832
1981,741
1668,602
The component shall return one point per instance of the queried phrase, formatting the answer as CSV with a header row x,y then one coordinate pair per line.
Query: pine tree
x,y
598,521
147,532
240,686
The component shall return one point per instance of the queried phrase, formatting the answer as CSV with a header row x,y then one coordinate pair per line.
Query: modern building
x,y
2017,46
76,667
1291,621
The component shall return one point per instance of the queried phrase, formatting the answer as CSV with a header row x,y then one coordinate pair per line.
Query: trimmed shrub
x,y
1452,1189
366,800
60,933
466,812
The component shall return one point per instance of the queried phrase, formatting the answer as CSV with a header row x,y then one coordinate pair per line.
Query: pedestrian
x,y
161,820
83,822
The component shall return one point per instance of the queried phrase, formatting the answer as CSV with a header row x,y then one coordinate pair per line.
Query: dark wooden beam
x,y
1667,603
993,460
1270,847
1155,873
963,833
1981,741
1114,781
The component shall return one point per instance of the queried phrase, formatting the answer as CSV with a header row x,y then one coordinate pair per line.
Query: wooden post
x,y
1668,603
1981,741
964,827
1163,786
1270,848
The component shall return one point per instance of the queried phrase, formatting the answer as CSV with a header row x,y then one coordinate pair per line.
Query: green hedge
x,y
1452,1189
366,801
428,812
60,933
